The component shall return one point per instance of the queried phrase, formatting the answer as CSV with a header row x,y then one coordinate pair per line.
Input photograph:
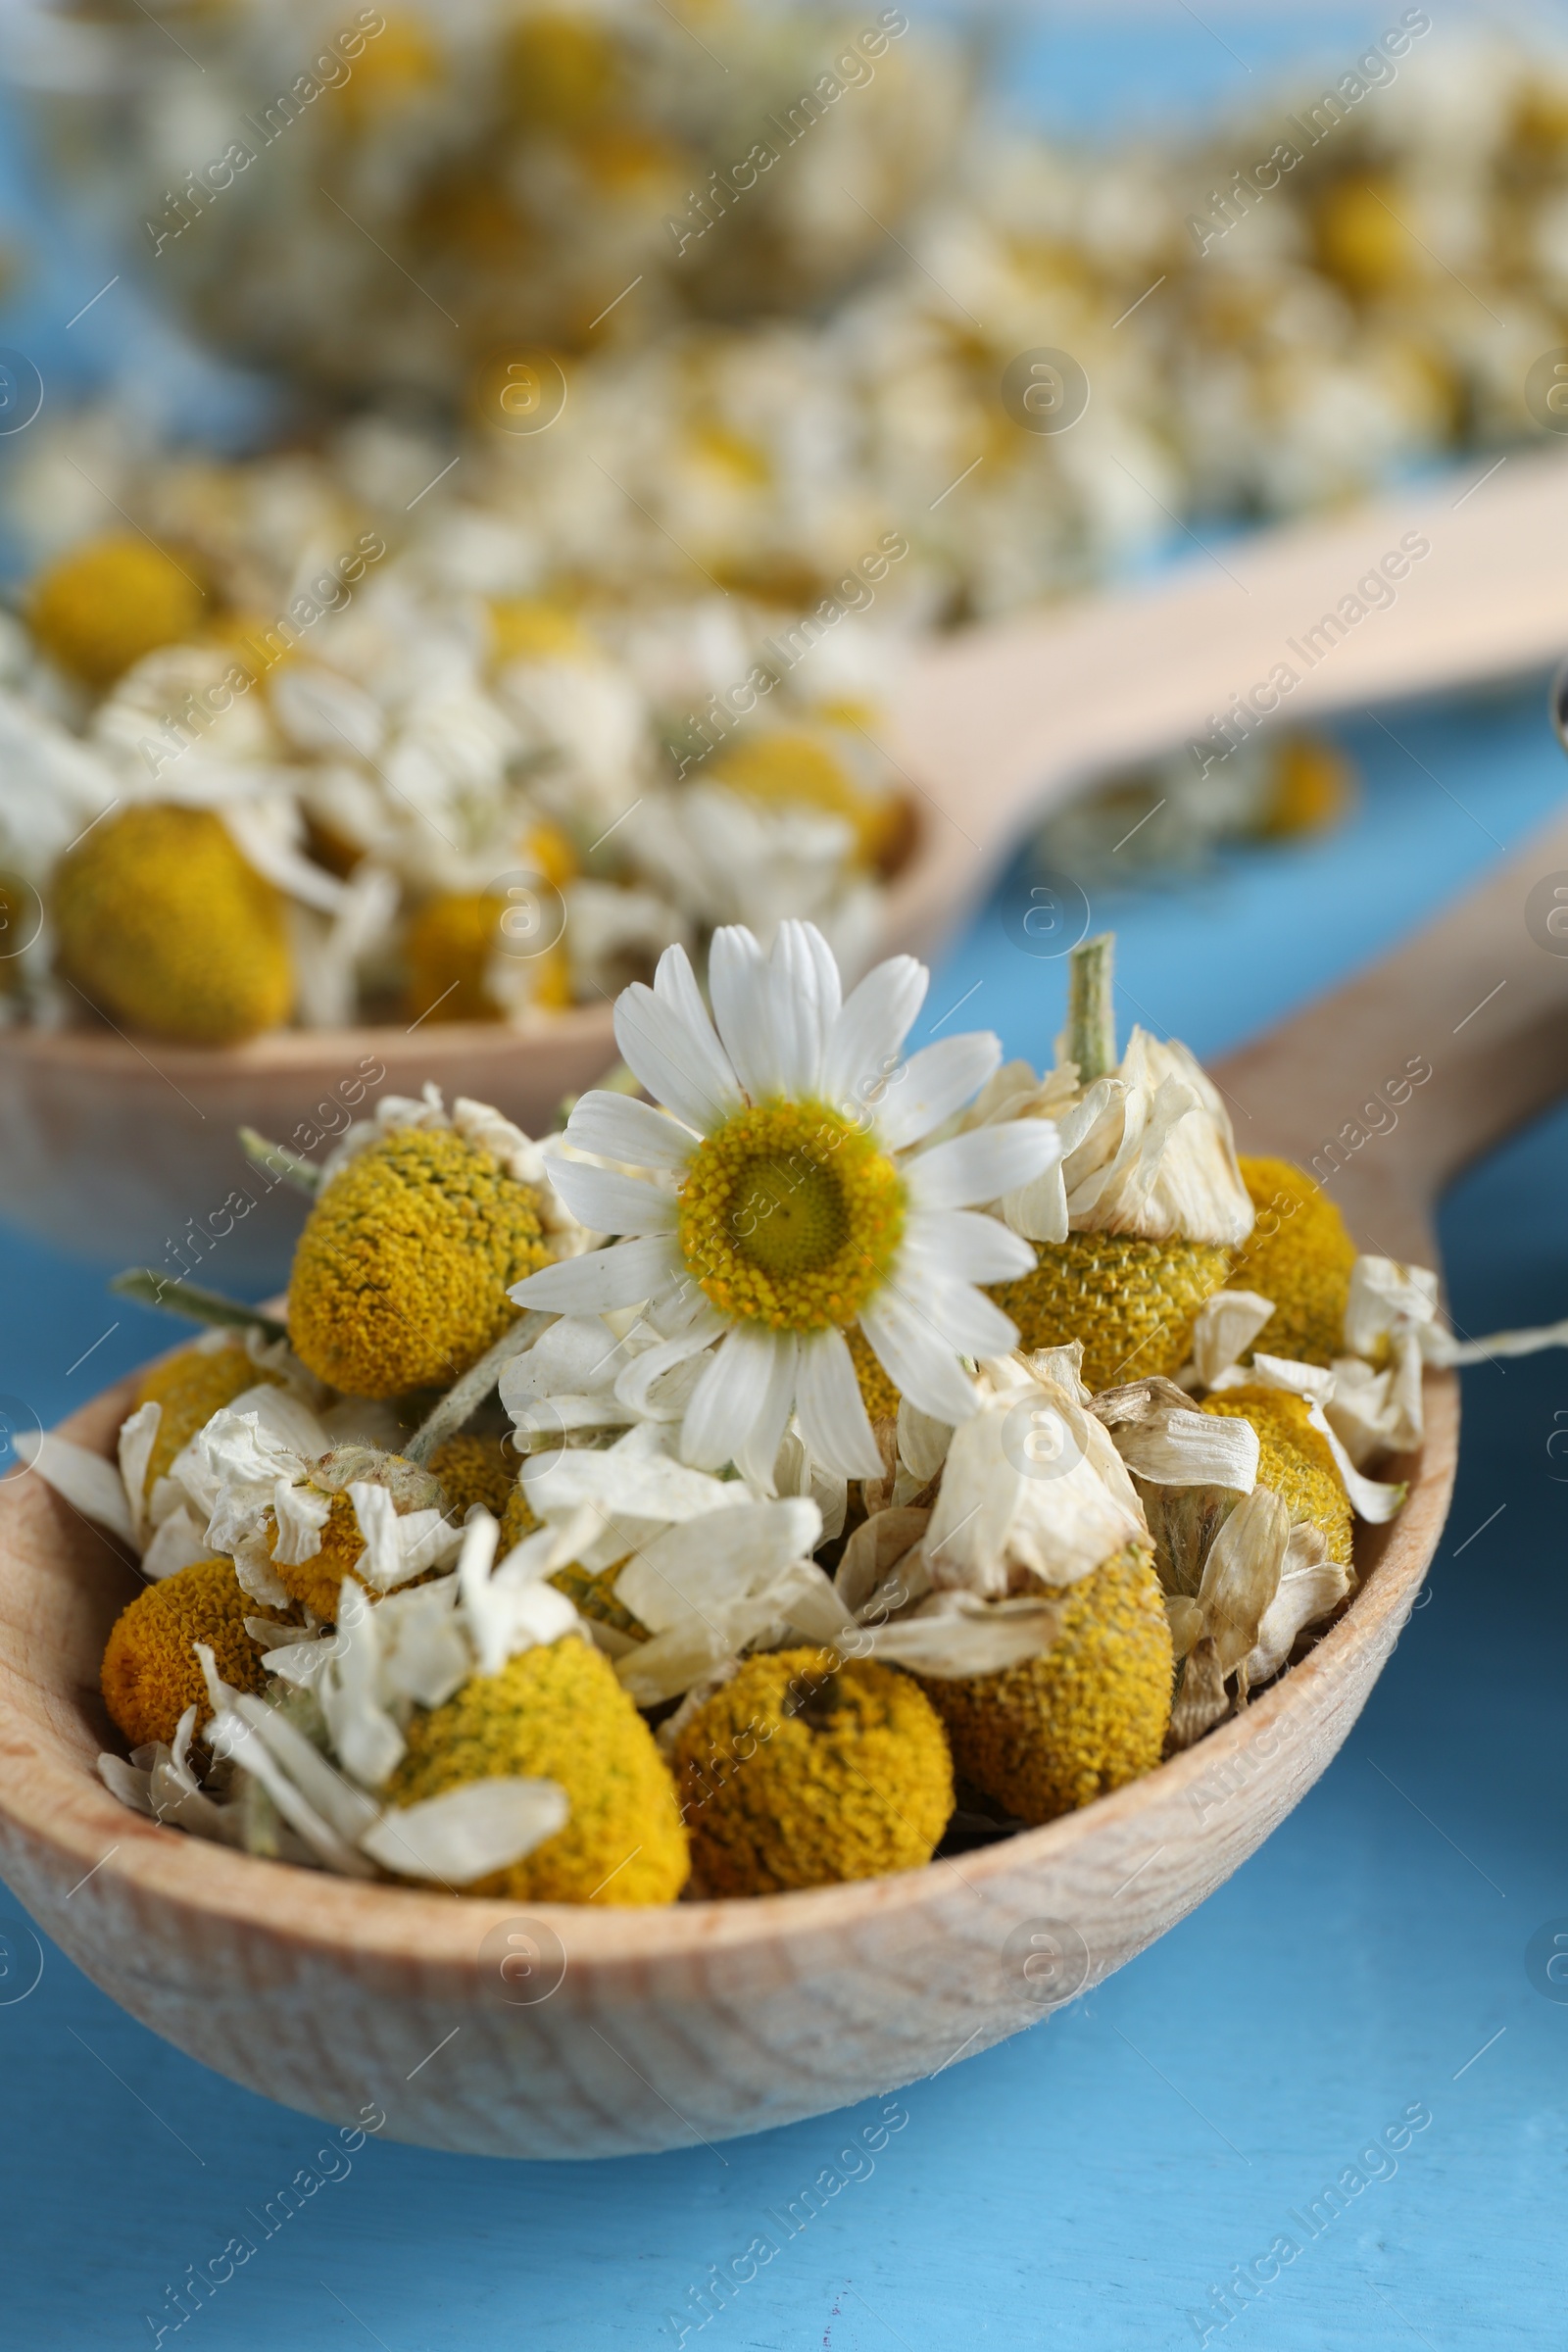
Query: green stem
x,y
465,1398
1091,1034
279,1163
176,1297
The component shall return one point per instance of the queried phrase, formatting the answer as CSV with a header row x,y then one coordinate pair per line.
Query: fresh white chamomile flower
x,y
783,1203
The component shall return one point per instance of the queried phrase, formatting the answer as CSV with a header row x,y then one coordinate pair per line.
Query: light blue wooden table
x,y
1092,2183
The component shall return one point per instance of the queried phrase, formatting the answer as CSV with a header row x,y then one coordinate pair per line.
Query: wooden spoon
x,y
588,2033
124,1149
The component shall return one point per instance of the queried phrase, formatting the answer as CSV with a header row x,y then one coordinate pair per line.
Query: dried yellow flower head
x,y
517,1520
100,608
1133,1303
802,1771
790,769
151,1673
190,1387
400,1278
448,950
556,1712
1311,786
1294,1459
473,1469
877,1393
166,927
1090,1715
564,70
1299,1254
317,1580
532,628
1360,239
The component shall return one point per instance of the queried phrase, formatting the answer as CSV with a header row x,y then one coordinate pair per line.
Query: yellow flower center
x,y
790,1216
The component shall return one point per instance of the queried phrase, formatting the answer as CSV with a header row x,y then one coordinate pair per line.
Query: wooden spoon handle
x,y
1392,1085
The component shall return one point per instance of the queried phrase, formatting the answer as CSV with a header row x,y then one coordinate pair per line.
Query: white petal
x,y
917,1361
179,1542
730,1395
934,1083
806,999
833,1418
634,1384
760,1450
615,1127
469,1831
957,1243
862,1046
1371,1499
137,1436
738,977
972,1169
608,1203
230,1736
348,1809
970,1323
697,1568
623,1276
668,1042
86,1480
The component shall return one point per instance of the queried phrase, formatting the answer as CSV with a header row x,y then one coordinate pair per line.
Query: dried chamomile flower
x,y
401,1277
100,608
1090,1714
150,1670
188,1389
165,926
1300,1255
801,769
336,1525
455,951
676,1570
806,1769
1295,1459
556,1712
1138,1221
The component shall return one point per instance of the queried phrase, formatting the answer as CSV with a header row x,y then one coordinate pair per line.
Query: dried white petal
x,y
84,1480
347,1809
138,1433
1312,1586
1242,1574
1227,1324
125,1782
300,1513
1370,1500
955,1635
702,1562
1386,1297
1185,1448
922,1441
466,1832
232,1737
179,1542
1021,1496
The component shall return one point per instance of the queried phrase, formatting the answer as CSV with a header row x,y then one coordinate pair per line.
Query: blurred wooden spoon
x,y
124,1149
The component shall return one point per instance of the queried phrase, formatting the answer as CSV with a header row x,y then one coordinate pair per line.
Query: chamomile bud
x,y
1082,1718
165,926
401,1275
99,607
151,1673
803,1770
556,1712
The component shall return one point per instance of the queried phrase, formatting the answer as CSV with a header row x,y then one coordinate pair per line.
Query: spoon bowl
x,y
575,2031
